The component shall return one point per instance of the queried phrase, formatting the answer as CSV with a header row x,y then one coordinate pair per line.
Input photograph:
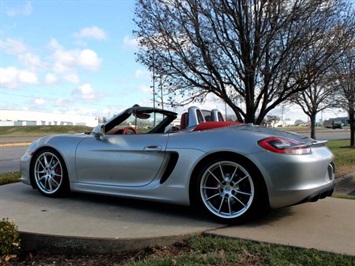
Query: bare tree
x,y
345,85
318,97
257,50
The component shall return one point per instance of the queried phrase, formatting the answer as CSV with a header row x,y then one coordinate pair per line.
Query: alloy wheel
x,y
227,189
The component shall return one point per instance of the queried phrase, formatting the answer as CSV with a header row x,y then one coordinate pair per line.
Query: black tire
x,y
49,173
230,190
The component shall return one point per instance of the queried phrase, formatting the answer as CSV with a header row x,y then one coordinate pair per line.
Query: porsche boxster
x,y
232,171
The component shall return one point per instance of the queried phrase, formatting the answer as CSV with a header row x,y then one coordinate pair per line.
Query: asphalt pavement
x,y
84,223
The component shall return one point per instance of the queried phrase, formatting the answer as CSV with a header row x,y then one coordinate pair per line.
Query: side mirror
x,y
99,131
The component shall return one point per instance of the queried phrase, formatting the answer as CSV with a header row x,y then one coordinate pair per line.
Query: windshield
x,y
140,120
142,123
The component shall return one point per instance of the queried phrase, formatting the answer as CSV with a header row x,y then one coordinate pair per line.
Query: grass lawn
x,y
37,131
8,178
344,156
224,251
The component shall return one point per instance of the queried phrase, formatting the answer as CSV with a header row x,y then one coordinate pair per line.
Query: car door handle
x,y
153,148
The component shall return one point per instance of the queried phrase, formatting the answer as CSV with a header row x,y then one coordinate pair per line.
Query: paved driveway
x,y
102,224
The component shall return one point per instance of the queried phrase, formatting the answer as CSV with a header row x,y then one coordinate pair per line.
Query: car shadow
x,y
127,209
136,204
179,211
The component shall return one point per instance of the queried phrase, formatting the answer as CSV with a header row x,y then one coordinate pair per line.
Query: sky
x,y
78,57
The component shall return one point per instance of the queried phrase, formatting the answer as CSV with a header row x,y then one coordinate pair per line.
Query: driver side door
x,y
120,160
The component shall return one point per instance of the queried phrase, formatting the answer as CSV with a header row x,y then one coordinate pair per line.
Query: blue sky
x,y
70,56
75,57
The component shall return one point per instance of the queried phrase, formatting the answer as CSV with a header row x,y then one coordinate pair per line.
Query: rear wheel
x,y
229,190
50,174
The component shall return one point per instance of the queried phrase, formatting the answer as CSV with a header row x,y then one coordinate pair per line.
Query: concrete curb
x,y
345,184
61,245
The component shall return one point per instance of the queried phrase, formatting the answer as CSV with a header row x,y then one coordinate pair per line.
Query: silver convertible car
x,y
232,171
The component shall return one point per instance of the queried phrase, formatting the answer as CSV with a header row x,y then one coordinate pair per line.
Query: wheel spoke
x,y
240,180
244,193
45,160
54,165
221,204
234,173
56,174
221,169
206,187
230,207
40,171
53,182
241,202
50,161
219,182
43,177
40,162
47,184
211,197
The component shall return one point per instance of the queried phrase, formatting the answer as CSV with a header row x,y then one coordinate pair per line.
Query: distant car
x,y
333,123
337,123
232,171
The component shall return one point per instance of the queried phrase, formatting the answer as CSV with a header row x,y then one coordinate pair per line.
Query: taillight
x,y
284,146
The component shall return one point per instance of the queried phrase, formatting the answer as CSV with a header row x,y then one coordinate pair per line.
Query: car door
x,y
120,160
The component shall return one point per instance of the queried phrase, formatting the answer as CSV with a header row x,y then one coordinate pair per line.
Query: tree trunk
x,y
313,125
352,128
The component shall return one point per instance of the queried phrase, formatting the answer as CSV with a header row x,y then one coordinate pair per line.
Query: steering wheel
x,y
129,131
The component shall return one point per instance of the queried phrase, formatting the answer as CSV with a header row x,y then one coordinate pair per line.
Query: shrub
x,y
9,237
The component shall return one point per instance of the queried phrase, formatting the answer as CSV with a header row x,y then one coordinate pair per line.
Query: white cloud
x,y
73,78
86,92
130,42
13,46
55,45
66,102
145,89
66,61
25,76
30,60
89,60
142,73
39,101
24,10
13,78
93,32
50,79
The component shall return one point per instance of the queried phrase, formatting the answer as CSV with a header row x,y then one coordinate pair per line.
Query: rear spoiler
x,y
319,143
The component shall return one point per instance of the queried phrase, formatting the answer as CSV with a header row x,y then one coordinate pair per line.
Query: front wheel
x,y
229,190
49,173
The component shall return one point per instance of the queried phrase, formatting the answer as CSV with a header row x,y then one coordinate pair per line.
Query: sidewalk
x,y
90,223
327,225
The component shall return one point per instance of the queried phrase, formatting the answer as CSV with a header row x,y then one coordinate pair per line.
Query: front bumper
x,y
25,168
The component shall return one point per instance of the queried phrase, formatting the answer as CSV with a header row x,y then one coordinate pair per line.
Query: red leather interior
x,y
215,124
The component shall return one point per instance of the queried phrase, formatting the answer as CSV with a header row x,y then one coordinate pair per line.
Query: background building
x,y
30,118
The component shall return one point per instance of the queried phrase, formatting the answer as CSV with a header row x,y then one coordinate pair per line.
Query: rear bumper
x,y
293,197
298,179
318,195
